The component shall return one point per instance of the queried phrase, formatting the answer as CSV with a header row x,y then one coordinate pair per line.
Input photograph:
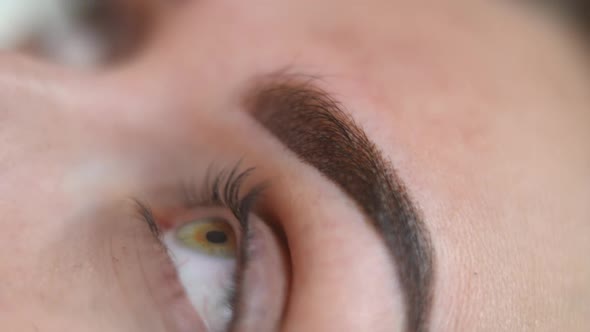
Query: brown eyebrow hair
x,y
315,127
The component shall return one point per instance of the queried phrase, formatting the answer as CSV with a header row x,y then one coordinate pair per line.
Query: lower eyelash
x,y
145,212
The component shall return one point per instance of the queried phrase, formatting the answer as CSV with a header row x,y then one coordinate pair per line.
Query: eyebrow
x,y
314,126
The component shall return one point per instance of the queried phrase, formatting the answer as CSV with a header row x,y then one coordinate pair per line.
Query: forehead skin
x,y
482,108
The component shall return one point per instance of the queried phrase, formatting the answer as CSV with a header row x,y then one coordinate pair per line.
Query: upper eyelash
x,y
224,189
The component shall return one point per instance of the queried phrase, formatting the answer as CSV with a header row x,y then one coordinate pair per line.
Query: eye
x,y
204,252
225,267
211,236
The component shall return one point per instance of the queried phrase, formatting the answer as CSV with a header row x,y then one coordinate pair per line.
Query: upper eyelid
x,y
225,188
220,188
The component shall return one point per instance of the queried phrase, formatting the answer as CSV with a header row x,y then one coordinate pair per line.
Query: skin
x,y
481,107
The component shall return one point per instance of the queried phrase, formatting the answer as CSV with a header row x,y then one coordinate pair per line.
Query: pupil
x,y
216,237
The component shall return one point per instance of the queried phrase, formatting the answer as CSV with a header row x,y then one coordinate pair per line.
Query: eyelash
x,y
222,189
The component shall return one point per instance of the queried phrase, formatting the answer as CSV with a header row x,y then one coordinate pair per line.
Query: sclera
x,y
206,275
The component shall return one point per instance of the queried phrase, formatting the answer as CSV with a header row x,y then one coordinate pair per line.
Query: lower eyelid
x,y
266,282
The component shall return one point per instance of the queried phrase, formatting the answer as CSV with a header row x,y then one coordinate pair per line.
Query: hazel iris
x,y
210,236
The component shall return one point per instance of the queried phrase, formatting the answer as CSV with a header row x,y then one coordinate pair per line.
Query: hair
x,y
579,13
573,12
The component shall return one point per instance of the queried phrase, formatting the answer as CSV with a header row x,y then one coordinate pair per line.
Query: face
x,y
303,166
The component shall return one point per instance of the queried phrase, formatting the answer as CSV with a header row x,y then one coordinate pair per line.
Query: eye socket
x,y
223,265
211,236
211,268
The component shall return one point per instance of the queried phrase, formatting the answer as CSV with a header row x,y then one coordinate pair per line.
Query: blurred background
x,y
91,33
76,32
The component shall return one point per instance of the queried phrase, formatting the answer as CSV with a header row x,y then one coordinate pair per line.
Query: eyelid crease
x,y
224,189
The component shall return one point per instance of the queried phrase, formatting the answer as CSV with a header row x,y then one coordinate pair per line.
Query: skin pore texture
x,y
482,109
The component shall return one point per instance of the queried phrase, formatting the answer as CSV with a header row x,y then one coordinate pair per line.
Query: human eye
x,y
224,263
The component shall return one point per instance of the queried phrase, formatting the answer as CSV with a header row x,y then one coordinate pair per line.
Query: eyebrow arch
x,y
314,126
